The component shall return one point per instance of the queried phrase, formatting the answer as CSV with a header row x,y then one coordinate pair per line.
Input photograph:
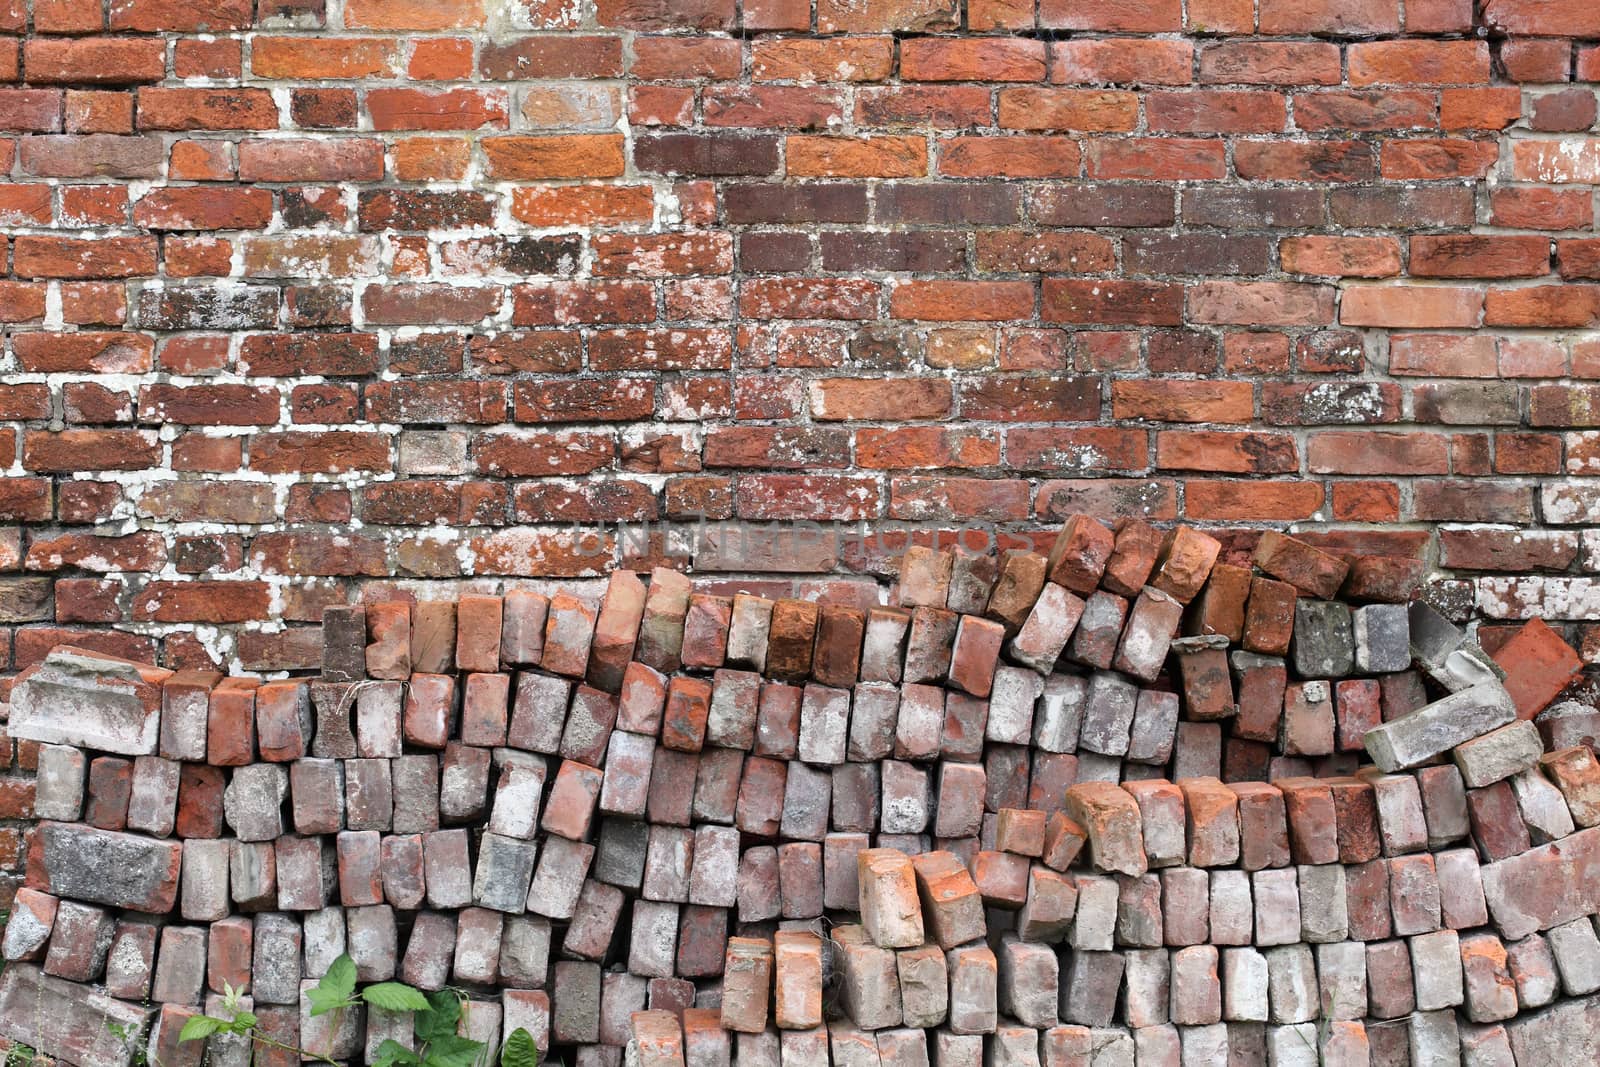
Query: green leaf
x,y
519,1050
394,996
242,1022
450,1050
392,1052
340,981
200,1027
444,1011
322,1001
335,989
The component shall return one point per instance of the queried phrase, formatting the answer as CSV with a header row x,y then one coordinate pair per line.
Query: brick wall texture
x,y
305,295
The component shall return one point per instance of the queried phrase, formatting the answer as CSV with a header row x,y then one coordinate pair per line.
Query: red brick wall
x,y
307,294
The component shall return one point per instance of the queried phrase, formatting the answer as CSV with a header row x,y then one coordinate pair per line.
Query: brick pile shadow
x,y
1130,801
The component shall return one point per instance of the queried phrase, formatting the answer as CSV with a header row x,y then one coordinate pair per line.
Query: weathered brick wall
x,y
306,293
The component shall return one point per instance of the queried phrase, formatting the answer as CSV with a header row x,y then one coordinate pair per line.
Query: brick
x,y
1324,641
878,726
1308,569
1497,823
1444,803
1012,700
58,1014
185,706
1099,628
79,942
1207,684
706,630
114,706
110,789
1577,955
1436,964
1541,808
660,641
589,724
974,973
1269,617
559,877
1080,554
1058,718
797,979
429,710
252,875
746,984
1136,917
1432,730
1533,970
403,871
1220,608
538,712
925,575
433,636
378,720
1162,821
1576,773
1308,719
1063,839
1108,713
889,909
789,646
1213,822
1021,579
568,635
836,658
871,983
1356,817
883,648
824,722
930,645
1112,821
523,618
806,797
60,776
749,629
1090,987
1152,621
1184,563
30,925
1498,754
1538,665
1262,683
1049,625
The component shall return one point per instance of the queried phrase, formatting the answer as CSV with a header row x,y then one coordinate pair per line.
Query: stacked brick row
x,y
1133,797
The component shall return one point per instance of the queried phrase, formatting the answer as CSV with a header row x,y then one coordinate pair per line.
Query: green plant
x,y
337,991
434,1021
519,1050
438,1044
20,1056
128,1038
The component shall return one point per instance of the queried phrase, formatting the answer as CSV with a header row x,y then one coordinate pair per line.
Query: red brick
x,y
1538,665
987,59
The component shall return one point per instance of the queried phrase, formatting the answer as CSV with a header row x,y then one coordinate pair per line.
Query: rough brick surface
x,y
1215,859
302,300
400,340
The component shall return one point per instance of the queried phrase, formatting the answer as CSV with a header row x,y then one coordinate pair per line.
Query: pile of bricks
x,y
1141,799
